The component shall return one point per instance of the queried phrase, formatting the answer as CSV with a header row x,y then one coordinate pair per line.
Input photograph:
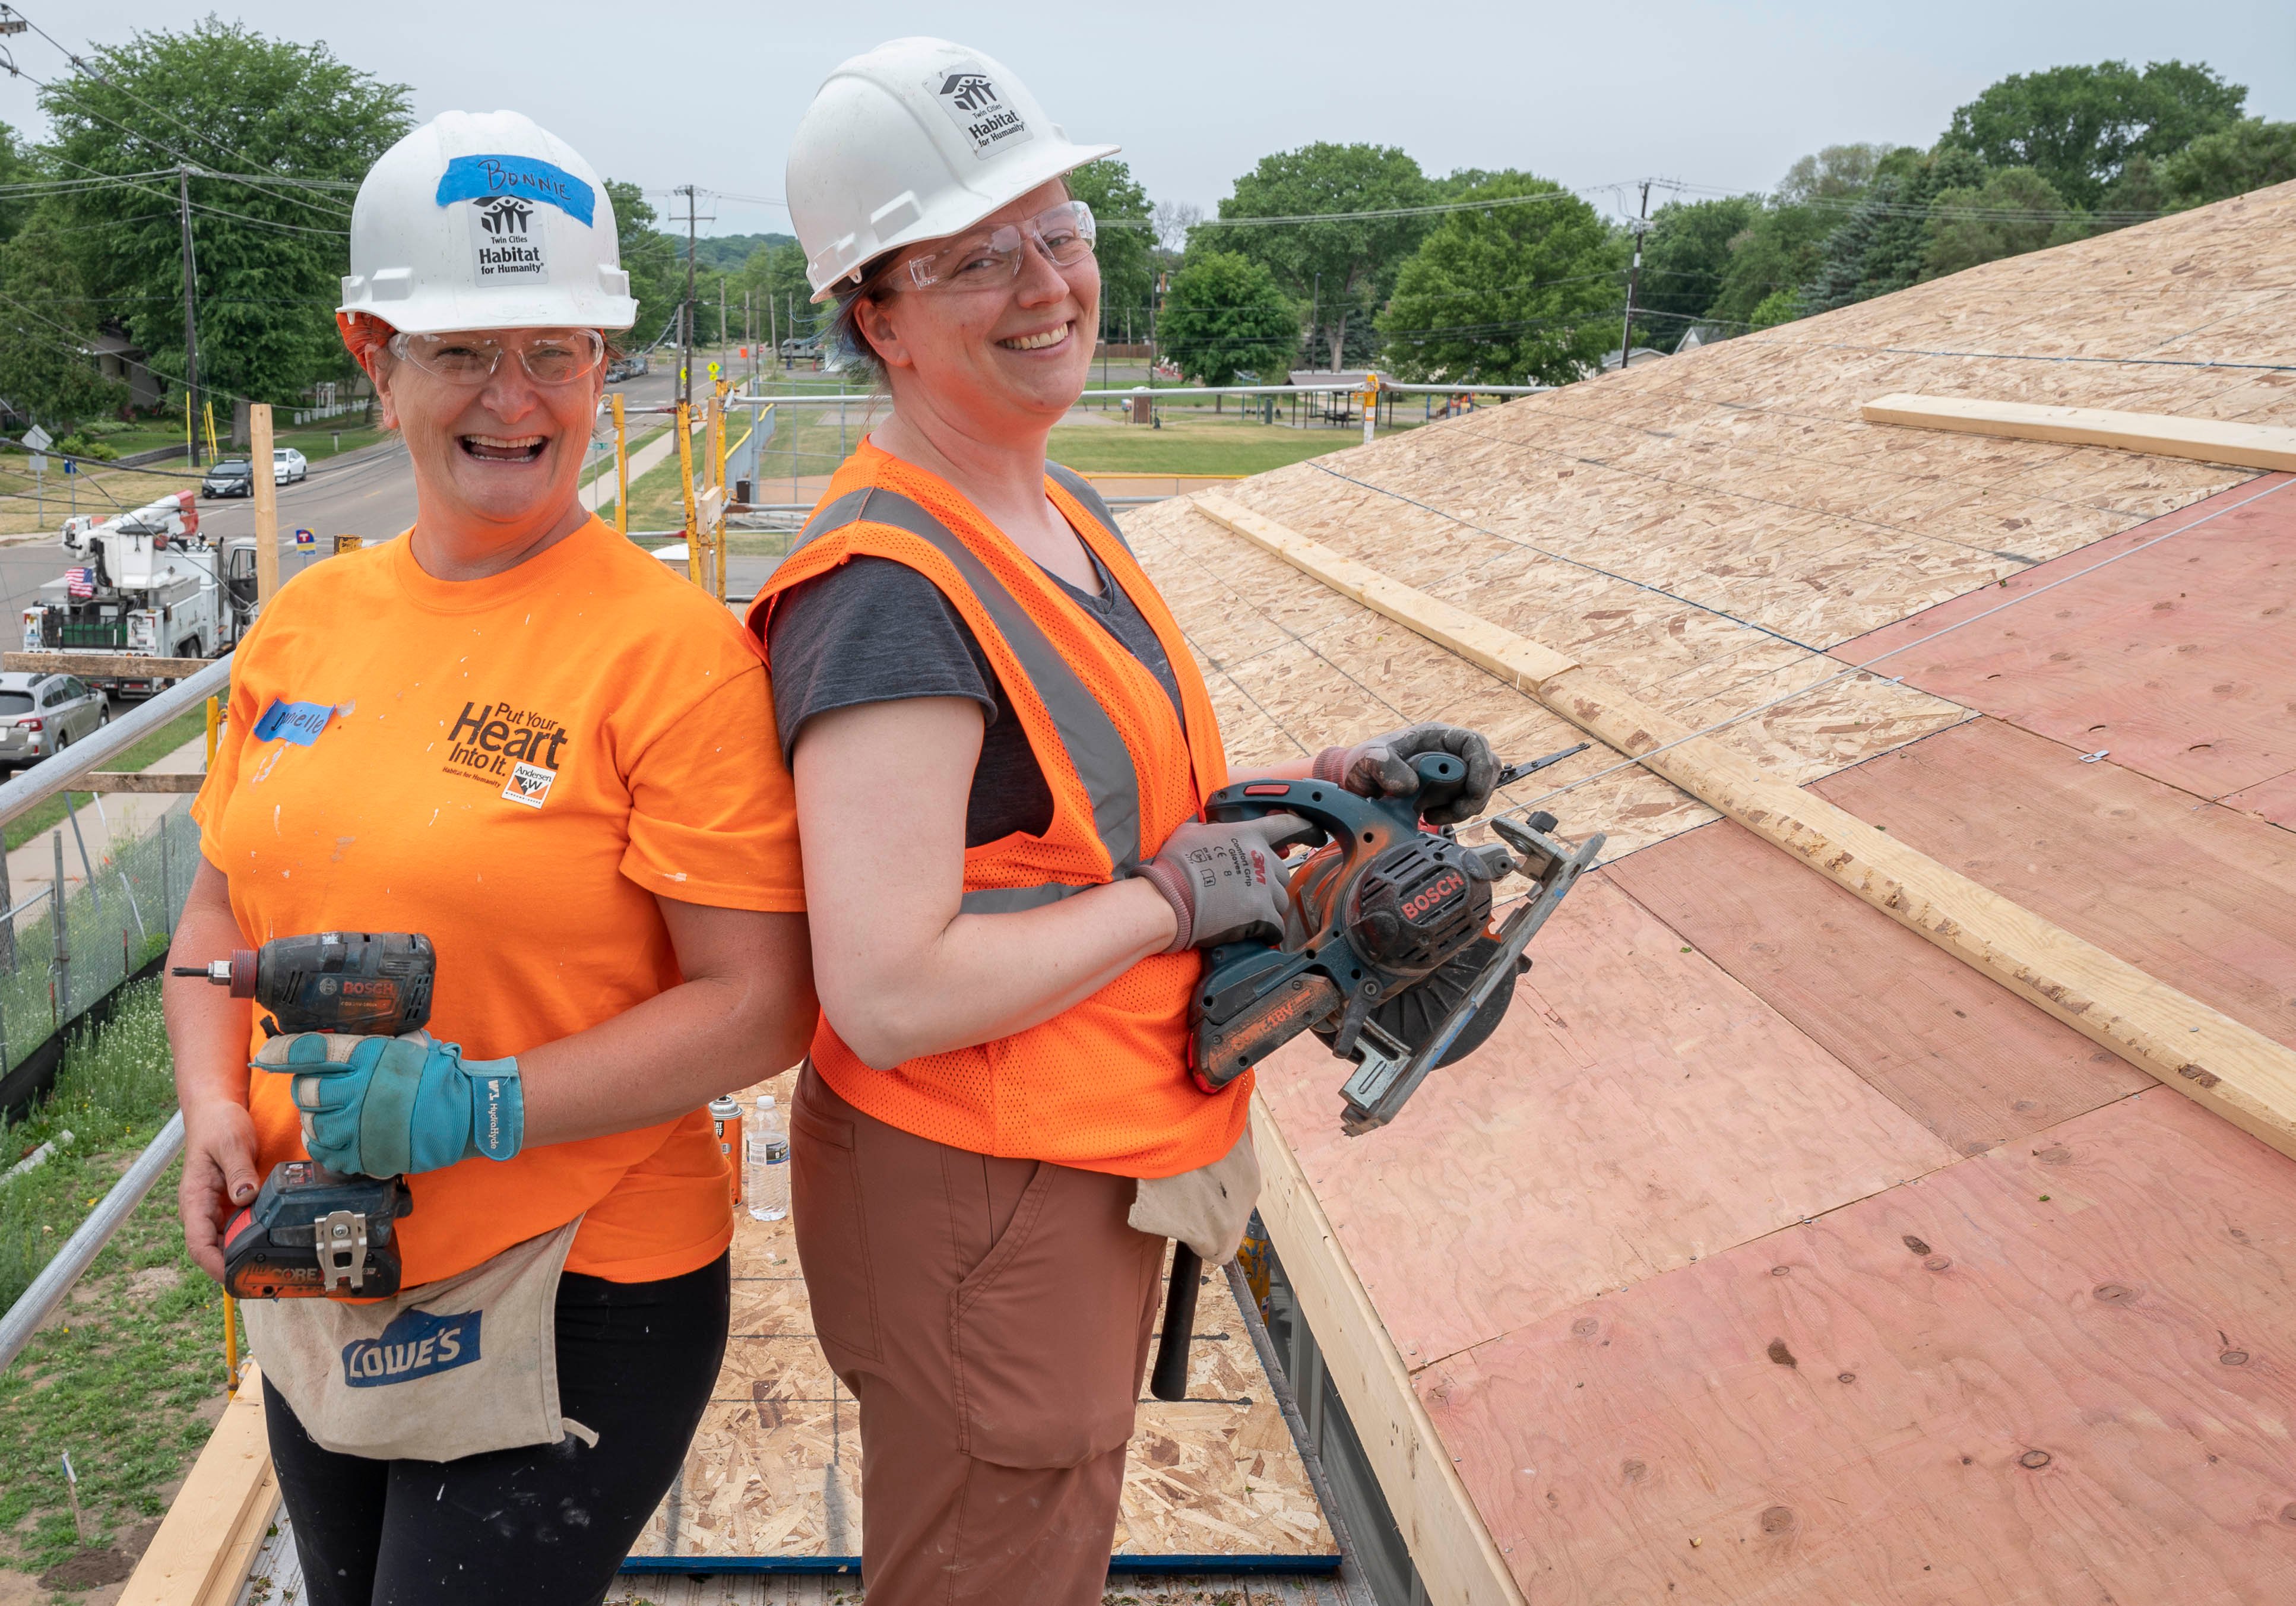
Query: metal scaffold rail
x,y
66,771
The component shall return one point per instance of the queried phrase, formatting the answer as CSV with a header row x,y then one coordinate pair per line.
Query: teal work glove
x,y
384,1106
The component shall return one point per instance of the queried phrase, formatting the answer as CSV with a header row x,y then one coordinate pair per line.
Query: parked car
x,y
45,714
627,367
229,478
289,466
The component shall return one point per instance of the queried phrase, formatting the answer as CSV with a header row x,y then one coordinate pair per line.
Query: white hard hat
x,y
915,140
484,220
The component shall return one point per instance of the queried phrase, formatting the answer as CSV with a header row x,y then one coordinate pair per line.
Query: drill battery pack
x,y
316,1233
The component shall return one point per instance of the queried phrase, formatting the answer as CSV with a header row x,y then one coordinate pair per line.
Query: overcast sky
x,y
1717,95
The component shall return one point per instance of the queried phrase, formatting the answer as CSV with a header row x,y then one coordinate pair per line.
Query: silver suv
x,y
45,714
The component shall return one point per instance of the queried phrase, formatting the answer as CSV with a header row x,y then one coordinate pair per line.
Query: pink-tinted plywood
x,y
2199,895
2274,801
1637,1109
2180,659
2059,1372
1970,1059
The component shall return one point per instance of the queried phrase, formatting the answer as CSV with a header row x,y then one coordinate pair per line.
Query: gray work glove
x,y
1381,767
1226,883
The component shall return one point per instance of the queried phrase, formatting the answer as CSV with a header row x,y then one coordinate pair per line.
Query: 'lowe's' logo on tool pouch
x,y
416,1345
969,95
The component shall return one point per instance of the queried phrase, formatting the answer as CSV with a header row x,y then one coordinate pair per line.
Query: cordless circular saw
x,y
1391,956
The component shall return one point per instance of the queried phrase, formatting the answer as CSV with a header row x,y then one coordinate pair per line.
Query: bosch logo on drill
x,y
1435,894
416,1345
512,748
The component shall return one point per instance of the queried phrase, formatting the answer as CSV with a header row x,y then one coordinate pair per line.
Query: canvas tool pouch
x,y
1206,1209
457,1367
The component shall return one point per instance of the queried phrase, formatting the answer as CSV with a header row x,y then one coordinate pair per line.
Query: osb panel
x,y
1740,479
1636,1109
2200,897
1968,1059
1132,1589
2049,1375
775,1468
2173,646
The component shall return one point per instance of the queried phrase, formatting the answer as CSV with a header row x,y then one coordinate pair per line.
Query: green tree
x,y
1341,270
1779,306
2077,125
656,268
1128,272
298,124
1518,294
1882,244
2017,210
1685,256
774,277
15,167
47,368
1835,173
1223,314
1779,250
2247,156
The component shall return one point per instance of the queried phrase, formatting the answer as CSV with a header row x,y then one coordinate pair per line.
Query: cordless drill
x,y
313,1232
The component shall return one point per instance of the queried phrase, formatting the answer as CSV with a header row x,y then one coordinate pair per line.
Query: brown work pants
x,y
992,1318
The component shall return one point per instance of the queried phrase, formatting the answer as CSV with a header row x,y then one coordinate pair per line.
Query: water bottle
x,y
765,1169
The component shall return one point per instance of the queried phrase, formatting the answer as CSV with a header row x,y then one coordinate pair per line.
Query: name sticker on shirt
x,y
297,722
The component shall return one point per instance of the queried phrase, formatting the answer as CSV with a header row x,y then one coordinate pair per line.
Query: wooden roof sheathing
x,y
1765,1252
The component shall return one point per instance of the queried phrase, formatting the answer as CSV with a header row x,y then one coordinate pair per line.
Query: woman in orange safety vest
x,y
1002,747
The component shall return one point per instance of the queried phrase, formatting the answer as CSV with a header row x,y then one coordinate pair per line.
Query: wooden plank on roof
x,y
201,1553
1975,1064
2221,1062
2050,1373
2210,441
1458,1561
2204,898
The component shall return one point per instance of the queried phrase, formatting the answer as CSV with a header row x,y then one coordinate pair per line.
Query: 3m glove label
x,y
416,1345
969,95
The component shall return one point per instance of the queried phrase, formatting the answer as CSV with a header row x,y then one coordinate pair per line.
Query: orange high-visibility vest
x,y
1103,1085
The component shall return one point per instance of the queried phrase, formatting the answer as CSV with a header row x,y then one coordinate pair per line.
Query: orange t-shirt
x,y
516,766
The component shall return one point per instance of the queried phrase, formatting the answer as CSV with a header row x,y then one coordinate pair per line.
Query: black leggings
x,y
540,1526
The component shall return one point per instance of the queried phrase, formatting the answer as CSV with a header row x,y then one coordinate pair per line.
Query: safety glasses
x,y
550,356
992,256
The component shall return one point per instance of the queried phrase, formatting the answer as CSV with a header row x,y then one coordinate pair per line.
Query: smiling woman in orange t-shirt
x,y
516,733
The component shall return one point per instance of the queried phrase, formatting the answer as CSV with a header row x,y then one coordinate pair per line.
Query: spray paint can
x,y
725,1117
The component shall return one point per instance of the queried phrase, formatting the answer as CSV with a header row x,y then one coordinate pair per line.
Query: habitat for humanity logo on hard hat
x,y
969,95
504,194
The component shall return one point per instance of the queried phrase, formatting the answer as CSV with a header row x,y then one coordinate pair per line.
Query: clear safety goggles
x,y
550,356
992,256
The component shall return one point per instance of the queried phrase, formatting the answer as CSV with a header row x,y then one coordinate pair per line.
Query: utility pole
x,y
1634,280
191,312
721,317
773,330
685,350
1315,313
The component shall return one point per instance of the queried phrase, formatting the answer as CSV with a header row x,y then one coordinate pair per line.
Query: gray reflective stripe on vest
x,y
1103,762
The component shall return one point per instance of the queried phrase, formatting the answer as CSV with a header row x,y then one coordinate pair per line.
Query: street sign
x,y
305,541
36,439
39,463
70,467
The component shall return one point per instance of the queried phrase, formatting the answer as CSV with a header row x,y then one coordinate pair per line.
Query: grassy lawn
x,y
103,491
144,754
658,496
1193,444
128,1377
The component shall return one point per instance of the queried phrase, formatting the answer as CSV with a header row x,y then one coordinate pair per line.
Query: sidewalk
x,y
605,485
117,817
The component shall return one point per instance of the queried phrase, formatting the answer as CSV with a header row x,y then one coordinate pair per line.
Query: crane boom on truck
x,y
151,585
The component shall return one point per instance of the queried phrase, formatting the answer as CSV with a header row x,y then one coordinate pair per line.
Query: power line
x,y
211,139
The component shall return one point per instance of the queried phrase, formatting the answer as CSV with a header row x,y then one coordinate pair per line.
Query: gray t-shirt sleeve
x,y
872,630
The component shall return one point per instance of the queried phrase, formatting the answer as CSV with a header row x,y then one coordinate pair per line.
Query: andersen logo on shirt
x,y
502,744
